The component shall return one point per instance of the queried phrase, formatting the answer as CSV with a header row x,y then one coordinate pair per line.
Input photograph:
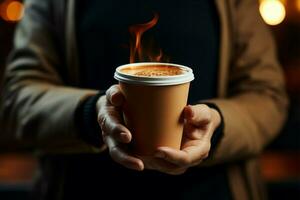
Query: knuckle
x,y
101,117
102,101
115,87
102,121
112,91
205,109
109,124
108,94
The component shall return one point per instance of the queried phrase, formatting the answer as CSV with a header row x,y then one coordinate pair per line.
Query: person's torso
x,y
188,34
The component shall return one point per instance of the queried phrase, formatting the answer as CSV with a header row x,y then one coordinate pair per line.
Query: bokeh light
x,y
272,11
14,11
298,5
11,10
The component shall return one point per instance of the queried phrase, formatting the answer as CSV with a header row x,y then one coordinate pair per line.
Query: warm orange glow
x,y
272,11
11,10
139,52
14,11
298,4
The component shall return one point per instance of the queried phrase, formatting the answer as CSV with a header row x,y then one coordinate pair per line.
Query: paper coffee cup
x,y
155,95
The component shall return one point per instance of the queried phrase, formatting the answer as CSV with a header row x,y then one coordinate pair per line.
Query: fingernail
x,y
159,154
140,167
189,112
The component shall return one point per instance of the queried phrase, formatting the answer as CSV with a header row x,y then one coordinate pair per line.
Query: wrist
x,y
86,120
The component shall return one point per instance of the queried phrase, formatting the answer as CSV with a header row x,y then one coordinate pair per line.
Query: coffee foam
x,y
155,74
153,71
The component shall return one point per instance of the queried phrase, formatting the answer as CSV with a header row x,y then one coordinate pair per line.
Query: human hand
x,y
115,135
199,126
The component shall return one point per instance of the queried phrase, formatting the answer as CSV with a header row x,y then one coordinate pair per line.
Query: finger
x,y
189,156
125,159
192,132
199,122
198,115
120,156
110,122
111,126
177,157
158,164
162,166
114,95
197,152
177,171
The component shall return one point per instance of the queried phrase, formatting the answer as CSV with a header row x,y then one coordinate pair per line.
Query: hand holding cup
x,y
200,123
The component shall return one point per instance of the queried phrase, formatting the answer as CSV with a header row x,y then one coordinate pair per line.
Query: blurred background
x,y
280,162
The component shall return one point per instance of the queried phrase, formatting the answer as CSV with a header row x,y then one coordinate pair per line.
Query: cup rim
x,y
185,77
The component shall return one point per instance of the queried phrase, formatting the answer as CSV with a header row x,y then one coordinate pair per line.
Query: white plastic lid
x,y
185,77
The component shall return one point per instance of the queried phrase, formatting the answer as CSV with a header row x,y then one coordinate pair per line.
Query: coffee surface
x,y
153,71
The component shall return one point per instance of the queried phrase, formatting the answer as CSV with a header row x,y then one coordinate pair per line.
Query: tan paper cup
x,y
155,95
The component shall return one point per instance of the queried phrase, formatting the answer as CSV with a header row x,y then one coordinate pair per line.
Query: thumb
x,y
197,115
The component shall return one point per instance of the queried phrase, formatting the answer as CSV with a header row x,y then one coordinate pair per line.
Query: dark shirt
x,y
188,33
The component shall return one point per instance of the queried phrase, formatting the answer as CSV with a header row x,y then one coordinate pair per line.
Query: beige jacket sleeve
x,y
256,104
37,108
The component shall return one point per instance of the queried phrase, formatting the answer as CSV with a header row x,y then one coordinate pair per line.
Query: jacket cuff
x,y
86,121
219,132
